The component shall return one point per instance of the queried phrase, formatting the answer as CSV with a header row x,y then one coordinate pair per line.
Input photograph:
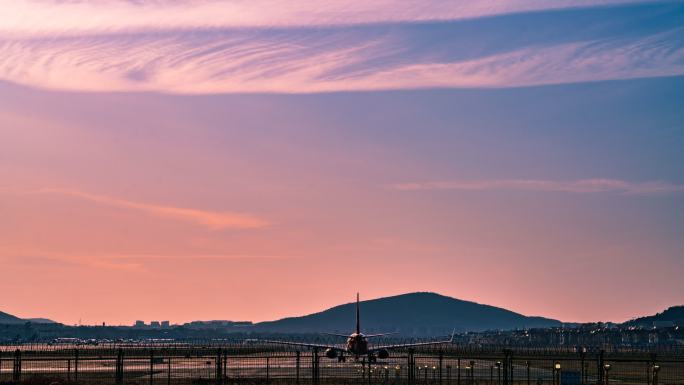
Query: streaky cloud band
x,y
213,220
581,186
47,17
557,47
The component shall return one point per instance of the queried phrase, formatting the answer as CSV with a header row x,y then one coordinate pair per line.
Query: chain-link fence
x,y
276,365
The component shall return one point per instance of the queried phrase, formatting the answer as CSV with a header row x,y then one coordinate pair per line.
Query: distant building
x,y
165,324
139,324
155,324
217,324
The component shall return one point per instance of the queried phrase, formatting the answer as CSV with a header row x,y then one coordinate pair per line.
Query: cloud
x,y
134,263
47,17
581,186
55,261
209,219
195,257
563,46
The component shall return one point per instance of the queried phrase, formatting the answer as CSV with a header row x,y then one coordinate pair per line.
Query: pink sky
x,y
251,166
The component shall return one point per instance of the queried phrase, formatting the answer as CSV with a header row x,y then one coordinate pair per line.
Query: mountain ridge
x,y
413,314
9,319
419,313
674,314
6,318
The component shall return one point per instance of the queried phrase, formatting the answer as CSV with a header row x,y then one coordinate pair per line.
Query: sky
x,y
251,160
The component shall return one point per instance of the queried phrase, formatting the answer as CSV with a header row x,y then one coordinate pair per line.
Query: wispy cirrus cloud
x,y
121,262
581,186
333,46
210,219
85,17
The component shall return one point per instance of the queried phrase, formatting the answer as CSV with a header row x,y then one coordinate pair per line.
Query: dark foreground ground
x,y
264,364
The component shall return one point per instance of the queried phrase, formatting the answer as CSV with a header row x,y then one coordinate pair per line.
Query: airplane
x,y
357,344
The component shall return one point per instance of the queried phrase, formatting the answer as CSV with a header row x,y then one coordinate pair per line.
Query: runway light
x,y
557,366
606,367
656,368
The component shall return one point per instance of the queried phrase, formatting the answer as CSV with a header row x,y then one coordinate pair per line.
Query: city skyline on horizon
x,y
161,320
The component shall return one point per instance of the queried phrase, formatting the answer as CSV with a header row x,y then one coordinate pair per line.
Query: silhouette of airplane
x,y
357,343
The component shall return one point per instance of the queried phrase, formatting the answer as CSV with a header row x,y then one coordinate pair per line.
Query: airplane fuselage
x,y
357,344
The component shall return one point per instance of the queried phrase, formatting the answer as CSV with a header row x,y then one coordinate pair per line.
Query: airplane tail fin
x,y
358,318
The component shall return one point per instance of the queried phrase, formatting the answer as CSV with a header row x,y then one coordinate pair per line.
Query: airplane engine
x,y
331,353
383,354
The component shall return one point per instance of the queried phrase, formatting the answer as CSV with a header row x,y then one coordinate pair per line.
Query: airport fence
x,y
276,365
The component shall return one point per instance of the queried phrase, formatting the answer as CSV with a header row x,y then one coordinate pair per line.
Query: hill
x,y
674,314
425,314
39,320
10,319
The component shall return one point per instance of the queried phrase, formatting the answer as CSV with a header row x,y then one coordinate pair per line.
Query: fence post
x,y
69,370
217,364
119,367
582,370
506,366
458,371
225,366
656,368
16,370
75,365
600,368
297,370
527,364
441,359
151,366
649,367
410,367
314,367
498,373
168,369
268,370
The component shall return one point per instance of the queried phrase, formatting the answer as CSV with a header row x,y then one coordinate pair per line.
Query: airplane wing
x,y
336,335
304,345
412,345
380,335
